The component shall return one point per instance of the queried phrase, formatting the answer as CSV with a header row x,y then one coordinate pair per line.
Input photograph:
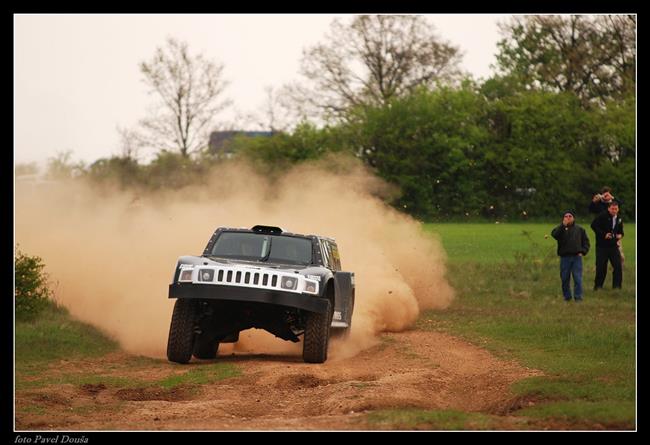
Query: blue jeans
x,y
571,265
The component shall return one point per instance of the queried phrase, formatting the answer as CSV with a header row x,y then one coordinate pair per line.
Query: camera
x,y
599,196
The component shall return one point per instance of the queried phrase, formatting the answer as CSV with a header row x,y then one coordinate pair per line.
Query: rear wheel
x,y
316,339
205,348
180,343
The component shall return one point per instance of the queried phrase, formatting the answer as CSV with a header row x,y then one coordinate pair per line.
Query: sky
x,y
76,77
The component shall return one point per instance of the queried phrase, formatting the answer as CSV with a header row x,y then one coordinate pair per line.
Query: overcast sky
x,y
77,77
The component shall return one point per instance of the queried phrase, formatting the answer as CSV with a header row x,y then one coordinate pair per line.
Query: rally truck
x,y
288,284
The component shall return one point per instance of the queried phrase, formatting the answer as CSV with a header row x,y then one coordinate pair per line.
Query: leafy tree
x,y
173,170
281,150
124,171
497,151
593,57
26,168
31,291
189,90
431,144
372,60
613,152
536,155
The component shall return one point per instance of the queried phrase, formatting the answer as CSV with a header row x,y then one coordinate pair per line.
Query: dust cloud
x,y
112,252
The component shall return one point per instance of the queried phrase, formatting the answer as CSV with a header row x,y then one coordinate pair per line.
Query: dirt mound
x,y
51,399
153,393
300,381
91,389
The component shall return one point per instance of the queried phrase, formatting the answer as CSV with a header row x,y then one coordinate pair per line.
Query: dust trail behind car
x,y
113,251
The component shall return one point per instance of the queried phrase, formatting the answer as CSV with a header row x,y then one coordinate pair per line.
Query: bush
x,y
31,293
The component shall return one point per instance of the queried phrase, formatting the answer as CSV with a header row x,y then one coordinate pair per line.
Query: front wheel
x,y
180,344
316,339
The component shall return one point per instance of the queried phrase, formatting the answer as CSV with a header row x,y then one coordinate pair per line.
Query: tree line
x,y
553,124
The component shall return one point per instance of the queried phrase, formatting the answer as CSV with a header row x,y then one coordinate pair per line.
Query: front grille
x,y
245,277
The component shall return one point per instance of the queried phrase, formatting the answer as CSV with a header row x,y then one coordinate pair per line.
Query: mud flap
x,y
344,300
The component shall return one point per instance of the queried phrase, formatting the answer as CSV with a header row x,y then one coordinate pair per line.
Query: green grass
x,y
411,419
201,375
606,412
197,376
54,335
490,243
509,300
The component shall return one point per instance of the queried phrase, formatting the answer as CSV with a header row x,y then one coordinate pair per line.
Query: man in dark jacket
x,y
599,204
608,227
572,245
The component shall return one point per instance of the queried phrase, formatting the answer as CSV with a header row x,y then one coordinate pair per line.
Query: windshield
x,y
262,247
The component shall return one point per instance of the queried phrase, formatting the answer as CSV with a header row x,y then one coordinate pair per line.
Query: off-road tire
x,y
180,344
205,348
316,338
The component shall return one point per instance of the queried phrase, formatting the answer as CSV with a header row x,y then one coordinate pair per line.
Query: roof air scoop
x,y
267,229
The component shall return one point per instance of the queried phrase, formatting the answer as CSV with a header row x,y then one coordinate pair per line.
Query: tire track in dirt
x,y
413,369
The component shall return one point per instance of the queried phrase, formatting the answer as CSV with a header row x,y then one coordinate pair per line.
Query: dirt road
x,y
416,369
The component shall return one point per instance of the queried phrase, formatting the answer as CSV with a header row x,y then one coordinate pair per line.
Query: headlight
x,y
186,275
206,274
311,287
289,283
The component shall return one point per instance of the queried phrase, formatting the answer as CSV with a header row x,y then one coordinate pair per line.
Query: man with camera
x,y
572,245
608,227
599,204
600,200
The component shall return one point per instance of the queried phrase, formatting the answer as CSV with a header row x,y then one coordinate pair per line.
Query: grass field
x,y
493,243
509,301
54,336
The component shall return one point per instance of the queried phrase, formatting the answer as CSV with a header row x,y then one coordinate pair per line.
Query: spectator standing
x,y
608,228
599,204
572,245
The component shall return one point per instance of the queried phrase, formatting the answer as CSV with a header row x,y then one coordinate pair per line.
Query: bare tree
x,y
130,142
61,166
274,114
372,60
270,111
189,89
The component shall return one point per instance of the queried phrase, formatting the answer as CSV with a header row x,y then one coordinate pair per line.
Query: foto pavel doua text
x,y
59,438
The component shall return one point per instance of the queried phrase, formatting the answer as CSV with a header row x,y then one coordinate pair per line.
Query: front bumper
x,y
311,303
